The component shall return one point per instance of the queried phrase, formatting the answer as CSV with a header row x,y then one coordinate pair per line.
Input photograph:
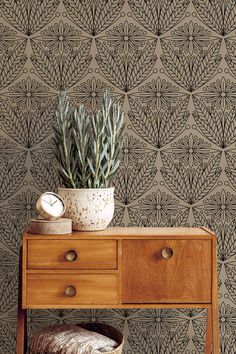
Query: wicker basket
x,y
100,328
108,331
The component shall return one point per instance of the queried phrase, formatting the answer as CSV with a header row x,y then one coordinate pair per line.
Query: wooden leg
x,y
215,316
215,329
209,331
21,332
21,343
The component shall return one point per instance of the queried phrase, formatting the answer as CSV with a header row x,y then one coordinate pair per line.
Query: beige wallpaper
x,y
171,64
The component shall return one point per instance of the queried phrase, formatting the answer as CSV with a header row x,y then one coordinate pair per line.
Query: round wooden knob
x,y
167,252
71,256
70,291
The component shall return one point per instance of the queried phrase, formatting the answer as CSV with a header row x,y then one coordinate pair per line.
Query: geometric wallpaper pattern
x,y
172,65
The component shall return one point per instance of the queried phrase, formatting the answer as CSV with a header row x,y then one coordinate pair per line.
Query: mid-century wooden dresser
x,y
121,268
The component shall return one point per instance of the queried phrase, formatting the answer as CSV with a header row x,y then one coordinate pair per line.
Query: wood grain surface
x,y
123,268
185,277
48,289
91,254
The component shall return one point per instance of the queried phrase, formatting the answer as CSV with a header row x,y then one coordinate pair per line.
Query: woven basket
x,y
101,328
108,331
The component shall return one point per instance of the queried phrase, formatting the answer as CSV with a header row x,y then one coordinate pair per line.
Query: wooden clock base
x,y
50,227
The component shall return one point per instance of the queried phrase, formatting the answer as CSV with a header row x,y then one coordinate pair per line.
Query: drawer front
x,y
72,254
57,290
167,271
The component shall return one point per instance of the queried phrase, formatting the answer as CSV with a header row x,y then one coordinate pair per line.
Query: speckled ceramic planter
x,y
89,209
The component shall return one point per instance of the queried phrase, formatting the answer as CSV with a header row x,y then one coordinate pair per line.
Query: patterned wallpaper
x,y
172,65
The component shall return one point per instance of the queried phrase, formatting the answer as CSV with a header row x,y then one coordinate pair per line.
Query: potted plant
x,y
88,153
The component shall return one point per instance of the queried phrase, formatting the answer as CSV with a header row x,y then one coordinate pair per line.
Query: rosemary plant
x,y
65,148
88,147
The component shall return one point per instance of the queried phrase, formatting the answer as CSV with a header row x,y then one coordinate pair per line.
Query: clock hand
x,y
46,201
54,202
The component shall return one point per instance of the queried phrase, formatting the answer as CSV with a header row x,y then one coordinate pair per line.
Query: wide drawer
x,y
57,290
72,254
167,271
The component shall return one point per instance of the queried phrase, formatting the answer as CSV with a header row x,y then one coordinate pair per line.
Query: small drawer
x,y
166,271
72,254
57,290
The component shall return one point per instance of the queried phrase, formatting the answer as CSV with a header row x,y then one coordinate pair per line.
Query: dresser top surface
x,y
133,232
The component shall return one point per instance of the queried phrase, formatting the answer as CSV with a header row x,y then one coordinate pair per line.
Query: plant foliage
x,y
88,147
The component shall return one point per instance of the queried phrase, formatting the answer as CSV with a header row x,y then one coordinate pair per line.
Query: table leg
x,y
21,343
215,329
209,331
215,315
21,332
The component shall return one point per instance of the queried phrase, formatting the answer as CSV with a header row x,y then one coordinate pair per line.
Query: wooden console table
x,y
121,268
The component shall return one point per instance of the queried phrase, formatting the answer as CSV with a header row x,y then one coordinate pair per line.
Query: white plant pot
x,y
89,209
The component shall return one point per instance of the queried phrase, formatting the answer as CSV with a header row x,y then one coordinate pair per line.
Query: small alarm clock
x,y
50,206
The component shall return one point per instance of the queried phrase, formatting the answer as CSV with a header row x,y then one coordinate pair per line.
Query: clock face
x,y
52,204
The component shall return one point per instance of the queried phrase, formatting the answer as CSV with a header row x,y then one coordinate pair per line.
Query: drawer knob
x,y
71,256
70,291
167,252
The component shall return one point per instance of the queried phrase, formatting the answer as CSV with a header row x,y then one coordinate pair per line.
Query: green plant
x,y
87,147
